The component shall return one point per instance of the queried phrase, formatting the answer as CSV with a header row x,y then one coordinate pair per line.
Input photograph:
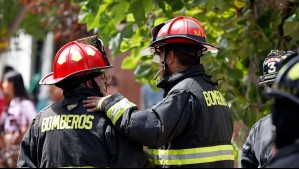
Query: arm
x,y
124,152
248,158
151,127
28,114
27,156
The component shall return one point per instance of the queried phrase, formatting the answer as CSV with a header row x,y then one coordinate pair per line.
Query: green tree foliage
x,y
245,30
38,17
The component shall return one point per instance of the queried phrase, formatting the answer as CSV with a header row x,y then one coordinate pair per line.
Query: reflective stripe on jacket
x,y
191,156
118,109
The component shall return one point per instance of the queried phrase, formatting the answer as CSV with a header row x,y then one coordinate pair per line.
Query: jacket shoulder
x,y
263,121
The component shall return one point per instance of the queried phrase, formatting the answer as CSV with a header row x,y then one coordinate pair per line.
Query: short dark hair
x,y
75,82
7,69
188,54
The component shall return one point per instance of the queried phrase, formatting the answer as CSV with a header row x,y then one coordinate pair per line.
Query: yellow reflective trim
x,y
76,56
119,104
191,155
117,110
62,57
79,167
270,76
197,33
121,112
191,150
90,51
193,161
117,116
293,74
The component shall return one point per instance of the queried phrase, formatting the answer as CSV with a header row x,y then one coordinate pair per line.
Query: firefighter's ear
x,y
170,59
88,84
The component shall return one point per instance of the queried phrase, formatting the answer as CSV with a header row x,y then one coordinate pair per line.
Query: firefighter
x,y
258,147
285,117
64,134
192,125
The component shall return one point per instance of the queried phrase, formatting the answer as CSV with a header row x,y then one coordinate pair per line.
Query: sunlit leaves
x,y
6,14
130,18
291,27
143,70
118,11
160,20
114,45
219,4
139,14
131,61
265,21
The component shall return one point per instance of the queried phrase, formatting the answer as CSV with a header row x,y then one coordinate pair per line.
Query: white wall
x,y
19,56
47,62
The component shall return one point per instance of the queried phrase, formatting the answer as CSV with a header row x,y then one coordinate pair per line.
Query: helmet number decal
x,y
271,67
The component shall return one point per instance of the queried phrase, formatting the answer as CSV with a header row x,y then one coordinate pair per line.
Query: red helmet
x,y
76,59
181,29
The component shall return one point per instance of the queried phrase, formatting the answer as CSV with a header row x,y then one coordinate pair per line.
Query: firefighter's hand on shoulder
x,y
94,103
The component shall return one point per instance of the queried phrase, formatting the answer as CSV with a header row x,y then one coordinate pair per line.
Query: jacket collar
x,y
75,96
169,81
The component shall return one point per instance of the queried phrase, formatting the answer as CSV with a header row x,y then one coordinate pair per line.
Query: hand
x,y
91,103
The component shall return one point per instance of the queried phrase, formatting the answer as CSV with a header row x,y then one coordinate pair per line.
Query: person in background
x,y
64,134
3,163
3,101
258,147
55,94
149,96
7,68
285,115
112,85
192,125
20,112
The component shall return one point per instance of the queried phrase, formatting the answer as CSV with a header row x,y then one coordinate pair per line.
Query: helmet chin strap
x,y
156,75
97,87
164,65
